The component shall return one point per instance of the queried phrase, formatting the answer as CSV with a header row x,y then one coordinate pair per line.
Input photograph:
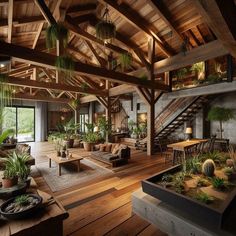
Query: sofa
x,y
20,149
114,154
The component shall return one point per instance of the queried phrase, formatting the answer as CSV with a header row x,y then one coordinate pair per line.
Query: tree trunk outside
x,y
221,130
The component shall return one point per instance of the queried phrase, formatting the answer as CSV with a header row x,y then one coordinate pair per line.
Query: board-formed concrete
x,y
168,219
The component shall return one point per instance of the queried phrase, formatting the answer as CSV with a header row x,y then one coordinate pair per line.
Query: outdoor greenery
x,y
6,92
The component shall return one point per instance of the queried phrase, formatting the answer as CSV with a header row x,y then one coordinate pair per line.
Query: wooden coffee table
x,y
75,158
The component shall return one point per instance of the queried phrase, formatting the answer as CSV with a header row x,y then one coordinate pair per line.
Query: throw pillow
x,y
116,149
108,147
102,147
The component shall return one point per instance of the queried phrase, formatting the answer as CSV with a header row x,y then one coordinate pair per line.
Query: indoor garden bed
x,y
203,188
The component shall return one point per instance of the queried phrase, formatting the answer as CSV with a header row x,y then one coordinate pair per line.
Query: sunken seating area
x,y
114,154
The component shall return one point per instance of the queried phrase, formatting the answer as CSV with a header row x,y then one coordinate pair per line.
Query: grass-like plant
x,y
202,182
65,64
22,200
167,178
6,92
125,60
56,32
204,198
74,103
193,165
178,182
105,30
232,154
228,171
219,183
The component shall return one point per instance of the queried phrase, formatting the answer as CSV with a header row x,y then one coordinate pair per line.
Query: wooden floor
x,y
103,206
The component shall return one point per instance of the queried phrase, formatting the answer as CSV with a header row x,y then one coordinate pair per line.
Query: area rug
x,y
69,175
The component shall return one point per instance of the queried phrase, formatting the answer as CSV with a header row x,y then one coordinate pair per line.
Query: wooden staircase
x,y
176,113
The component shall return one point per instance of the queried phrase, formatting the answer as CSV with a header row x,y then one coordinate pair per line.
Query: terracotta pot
x,y
88,146
8,183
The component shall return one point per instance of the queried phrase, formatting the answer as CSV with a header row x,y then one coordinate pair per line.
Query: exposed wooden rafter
x,y
52,86
137,21
10,20
31,56
220,17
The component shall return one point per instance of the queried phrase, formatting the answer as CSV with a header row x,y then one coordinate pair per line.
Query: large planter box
x,y
214,217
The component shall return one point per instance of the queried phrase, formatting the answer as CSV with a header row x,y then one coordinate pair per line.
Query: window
x,y
22,120
83,118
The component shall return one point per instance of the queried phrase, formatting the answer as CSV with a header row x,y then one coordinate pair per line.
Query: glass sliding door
x,y
25,124
22,120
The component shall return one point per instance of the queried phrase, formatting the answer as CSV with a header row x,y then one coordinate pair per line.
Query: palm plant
x,y
56,32
104,126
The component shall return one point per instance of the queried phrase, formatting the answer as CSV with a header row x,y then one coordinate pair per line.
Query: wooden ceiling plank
x,y
137,21
10,20
82,7
219,16
162,10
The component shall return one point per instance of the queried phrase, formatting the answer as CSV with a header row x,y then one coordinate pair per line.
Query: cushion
x,y
102,147
113,146
108,147
123,146
109,157
116,149
22,148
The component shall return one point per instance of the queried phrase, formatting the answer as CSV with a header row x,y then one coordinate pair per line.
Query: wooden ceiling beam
x,y
137,21
165,15
202,53
21,96
127,42
101,61
82,8
78,31
75,50
220,17
10,20
45,12
83,18
31,56
88,98
52,86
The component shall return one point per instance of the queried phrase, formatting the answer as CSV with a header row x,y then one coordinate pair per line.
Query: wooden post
x,y
151,106
108,110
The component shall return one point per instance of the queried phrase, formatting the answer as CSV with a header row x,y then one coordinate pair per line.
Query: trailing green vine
x,y
56,32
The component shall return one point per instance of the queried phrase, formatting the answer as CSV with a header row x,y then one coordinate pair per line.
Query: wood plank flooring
x,y
103,206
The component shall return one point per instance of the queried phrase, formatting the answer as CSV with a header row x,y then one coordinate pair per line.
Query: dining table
x,y
183,147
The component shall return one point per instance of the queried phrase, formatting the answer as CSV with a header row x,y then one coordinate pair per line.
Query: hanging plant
x,y
84,86
74,103
144,77
105,29
65,64
6,92
56,32
125,60
185,46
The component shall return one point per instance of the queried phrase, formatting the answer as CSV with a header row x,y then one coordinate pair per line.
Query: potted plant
x,y
199,69
10,177
136,132
220,114
70,133
89,139
56,32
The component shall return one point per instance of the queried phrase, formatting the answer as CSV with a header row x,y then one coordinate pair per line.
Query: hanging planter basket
x,y
56,32
105,30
